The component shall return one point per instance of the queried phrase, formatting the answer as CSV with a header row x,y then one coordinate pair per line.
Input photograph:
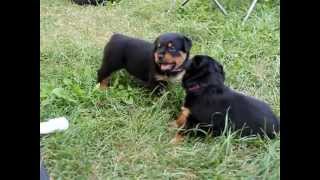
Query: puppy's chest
x,y
170,78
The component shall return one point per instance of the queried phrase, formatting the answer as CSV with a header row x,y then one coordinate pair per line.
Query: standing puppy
x,y
152,63
209,102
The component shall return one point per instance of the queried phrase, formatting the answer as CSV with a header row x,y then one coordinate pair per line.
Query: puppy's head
x,y
203,72
171,50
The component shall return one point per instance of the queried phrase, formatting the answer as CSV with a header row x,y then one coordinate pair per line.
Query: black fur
x,y
209,101
90,2
137,57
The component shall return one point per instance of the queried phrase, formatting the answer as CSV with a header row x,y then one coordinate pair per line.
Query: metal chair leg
x,y
253,4
185,2
250,10
220,7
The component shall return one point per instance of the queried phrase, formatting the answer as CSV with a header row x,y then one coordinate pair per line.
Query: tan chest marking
x,y
172,79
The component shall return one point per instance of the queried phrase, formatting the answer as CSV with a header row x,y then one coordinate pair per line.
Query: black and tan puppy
x,y
153,63
208,102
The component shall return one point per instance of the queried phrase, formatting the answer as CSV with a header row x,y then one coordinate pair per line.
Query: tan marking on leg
x,y
177,139
182,118
173,124
104,84
180,122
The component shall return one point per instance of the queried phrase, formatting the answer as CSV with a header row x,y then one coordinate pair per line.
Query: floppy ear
x,y
196,60
221,70
187,44
155,44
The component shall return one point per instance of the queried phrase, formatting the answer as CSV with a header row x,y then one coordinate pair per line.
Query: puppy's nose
x,y
160,57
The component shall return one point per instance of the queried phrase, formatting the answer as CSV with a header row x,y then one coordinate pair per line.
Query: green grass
x,y
123,133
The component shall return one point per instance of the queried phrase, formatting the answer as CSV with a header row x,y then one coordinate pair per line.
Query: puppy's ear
x,y
221,71
155,44
187,44
196,61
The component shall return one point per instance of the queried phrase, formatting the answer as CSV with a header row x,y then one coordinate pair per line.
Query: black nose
x,y
160,56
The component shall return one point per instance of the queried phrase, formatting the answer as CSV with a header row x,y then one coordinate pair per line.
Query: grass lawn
x,y
122,133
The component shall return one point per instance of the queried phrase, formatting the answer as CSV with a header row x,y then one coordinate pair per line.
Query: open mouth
x,y
194,87
167,66
177,69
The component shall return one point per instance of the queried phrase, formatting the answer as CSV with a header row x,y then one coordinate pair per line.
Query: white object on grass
x,y
56,124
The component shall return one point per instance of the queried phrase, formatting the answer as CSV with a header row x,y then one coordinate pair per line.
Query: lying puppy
x,y
90,2
208,101
153,63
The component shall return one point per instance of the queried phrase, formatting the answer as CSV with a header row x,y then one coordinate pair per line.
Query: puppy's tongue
x,y
165,67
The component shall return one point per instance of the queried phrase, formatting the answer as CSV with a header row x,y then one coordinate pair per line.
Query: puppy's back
x,y
128,45
135,55
257,114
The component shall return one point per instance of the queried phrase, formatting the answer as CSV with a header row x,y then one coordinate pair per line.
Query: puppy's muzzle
x,y
160,58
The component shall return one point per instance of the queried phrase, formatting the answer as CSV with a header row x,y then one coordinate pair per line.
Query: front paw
x,y
173,124
103,84
177,139
102,87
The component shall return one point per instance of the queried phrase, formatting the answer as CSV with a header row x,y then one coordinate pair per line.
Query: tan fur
x,y
104,84
182,118
176,78
177,139
180,122
156,58
160,77
168,58
172,79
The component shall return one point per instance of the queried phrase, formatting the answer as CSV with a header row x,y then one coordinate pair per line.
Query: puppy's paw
x,y
97,87
177,139
102,87
173,124
103,84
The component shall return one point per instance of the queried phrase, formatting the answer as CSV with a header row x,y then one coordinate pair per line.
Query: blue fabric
x,y
43,172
